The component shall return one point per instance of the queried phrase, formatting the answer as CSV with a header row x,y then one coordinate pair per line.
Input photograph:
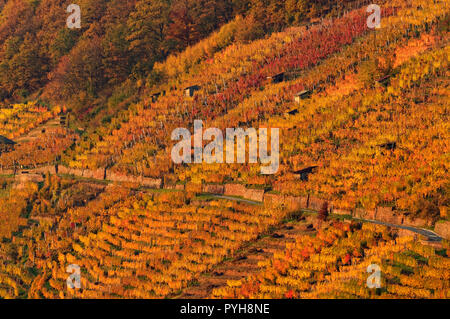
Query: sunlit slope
x,y
143,133
339,128
334,264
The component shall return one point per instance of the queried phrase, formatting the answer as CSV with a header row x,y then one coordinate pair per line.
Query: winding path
x,y
237,199
431,236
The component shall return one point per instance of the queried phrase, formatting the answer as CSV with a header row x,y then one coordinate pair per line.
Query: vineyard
x,y
248,67
136,244
45,149
19,119
363,116
334,264
232,94
146,245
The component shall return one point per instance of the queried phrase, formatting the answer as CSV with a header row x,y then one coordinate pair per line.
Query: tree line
x,y
119,41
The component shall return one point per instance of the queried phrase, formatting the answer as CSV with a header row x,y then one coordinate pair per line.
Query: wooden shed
x,y
302,95
276,78
157,95
390,146
190,90
303,174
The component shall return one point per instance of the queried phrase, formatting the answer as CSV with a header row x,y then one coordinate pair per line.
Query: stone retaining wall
x,y
95,174
443,229
194,188
315,203
290,202
239,190
417,222
296,202
388,215
45,170
98,174
235,190
179,187
382,214
214,189
254,194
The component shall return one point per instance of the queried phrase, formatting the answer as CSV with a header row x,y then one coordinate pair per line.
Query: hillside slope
x,y
371,132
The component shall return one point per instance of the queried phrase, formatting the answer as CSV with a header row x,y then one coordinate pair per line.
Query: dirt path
x,y
241,200
432,236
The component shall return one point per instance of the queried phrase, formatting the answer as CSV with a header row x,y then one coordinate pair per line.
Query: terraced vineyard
x,y
42,150
153,245
19,119
295,49
334,264
364,135
147,245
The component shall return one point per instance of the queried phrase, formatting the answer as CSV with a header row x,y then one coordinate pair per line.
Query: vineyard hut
x,y
277,78
302,95
303,174
6,145
390,146
190,90
155,97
